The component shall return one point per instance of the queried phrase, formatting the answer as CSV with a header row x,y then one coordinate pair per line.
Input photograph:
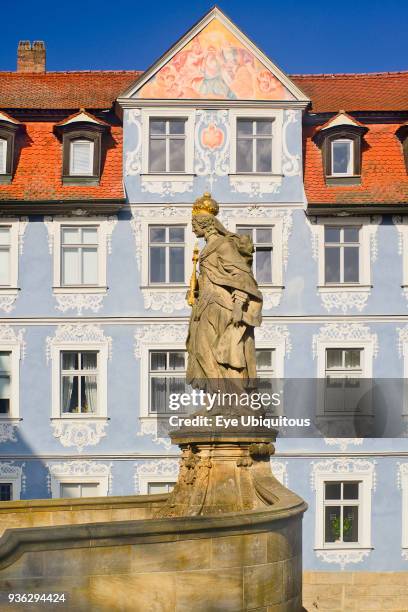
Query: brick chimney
x,y
31,57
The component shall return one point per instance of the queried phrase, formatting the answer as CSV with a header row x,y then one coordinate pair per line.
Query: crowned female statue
x,y
226,303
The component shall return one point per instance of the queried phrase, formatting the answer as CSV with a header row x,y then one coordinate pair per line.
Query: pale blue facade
x,y
134,318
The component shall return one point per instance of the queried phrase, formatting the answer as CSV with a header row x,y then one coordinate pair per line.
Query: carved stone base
x,y
227,472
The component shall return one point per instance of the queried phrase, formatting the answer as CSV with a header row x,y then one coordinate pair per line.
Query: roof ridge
x,y
62,72
328,75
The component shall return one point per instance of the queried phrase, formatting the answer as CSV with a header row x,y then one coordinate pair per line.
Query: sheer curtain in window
x,y
89,362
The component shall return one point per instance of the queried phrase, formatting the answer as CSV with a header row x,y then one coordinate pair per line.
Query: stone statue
x,y
226,303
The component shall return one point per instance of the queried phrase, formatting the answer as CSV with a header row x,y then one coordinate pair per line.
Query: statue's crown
x,y
205,205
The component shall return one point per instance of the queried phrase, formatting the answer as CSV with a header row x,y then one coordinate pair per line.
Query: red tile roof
x,y
377,91
384,176
38,168
63,90
99,89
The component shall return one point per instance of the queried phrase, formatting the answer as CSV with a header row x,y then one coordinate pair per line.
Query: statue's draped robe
x,y
217,348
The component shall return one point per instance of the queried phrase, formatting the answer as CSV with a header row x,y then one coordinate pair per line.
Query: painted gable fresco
x,y
215,65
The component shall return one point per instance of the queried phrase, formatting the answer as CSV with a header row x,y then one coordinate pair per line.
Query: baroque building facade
x,y
98,172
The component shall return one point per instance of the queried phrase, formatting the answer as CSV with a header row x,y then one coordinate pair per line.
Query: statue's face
x,y
197,229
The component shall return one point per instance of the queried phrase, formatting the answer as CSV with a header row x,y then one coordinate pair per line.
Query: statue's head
x,y
204,211
202,224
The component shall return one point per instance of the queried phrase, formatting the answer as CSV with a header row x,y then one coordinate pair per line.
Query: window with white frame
x,y
167,374
74,479
3,156
403,485
79,489
342,157
254,145
167,145
5,382
79,382
81,158
342,512
345,389
79,255
265,369
6,491
9,380
80,251
160,487
79,376
166,254
5,256
342,254
262,238
343,504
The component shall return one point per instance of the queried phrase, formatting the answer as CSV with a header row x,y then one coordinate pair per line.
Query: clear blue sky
x,y
310,36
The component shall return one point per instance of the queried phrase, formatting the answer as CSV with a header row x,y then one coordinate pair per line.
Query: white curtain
x,y
89,362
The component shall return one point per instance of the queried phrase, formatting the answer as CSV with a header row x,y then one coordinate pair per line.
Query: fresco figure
x,y
214,65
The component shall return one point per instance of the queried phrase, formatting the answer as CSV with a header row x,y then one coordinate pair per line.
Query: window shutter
x,y
3,155
82,157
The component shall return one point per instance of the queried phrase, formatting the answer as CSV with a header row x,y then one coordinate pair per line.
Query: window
x,y
343,507
80,250
265,370
9,128
342,254
254,145
159,487
5,257
341,140
344,390
5,382
342,157
167,374
81,159
166,254
262,238
79,489
341,512
82,137
3,156
167,145
6,491
79,382
79,255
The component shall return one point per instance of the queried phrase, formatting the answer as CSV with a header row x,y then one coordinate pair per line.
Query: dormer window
x,y
8,130
81,157
342,154
402,134
340,141
82,144
3,155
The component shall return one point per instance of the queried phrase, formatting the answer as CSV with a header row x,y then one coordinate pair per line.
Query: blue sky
x,y
313,36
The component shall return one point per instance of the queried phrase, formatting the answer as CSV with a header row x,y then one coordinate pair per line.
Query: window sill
x,y
79,289
92,181
164,177
342,548
84,416
9,290
10,419
162,286
344,288
255,176
343,180
5,179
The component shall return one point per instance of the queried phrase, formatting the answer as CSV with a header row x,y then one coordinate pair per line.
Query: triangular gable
x,y
217,61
